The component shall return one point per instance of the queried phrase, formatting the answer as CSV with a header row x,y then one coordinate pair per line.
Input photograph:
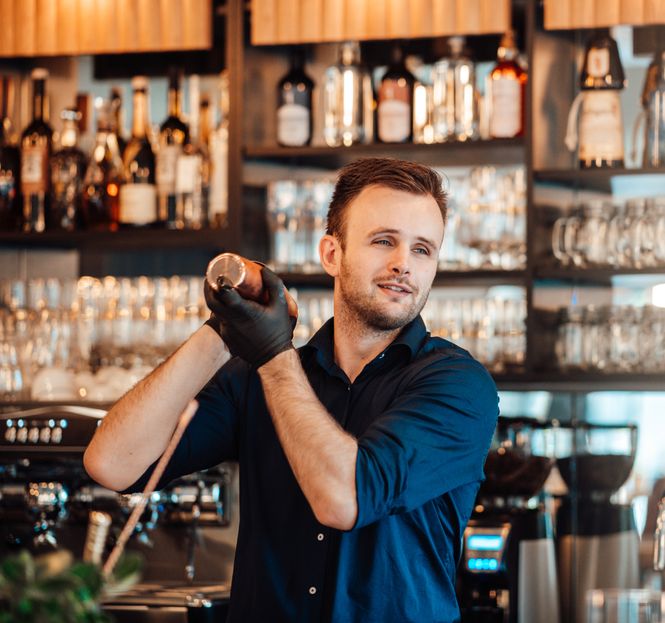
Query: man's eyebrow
x,y
376,232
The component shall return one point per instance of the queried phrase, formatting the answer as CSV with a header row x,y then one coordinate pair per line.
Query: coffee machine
x,y
508,568
597,540
186,535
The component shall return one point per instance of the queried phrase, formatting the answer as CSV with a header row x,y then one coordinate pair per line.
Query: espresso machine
x,y
597,540
186,535
508,568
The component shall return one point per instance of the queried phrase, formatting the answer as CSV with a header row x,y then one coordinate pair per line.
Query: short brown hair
x,y
410,177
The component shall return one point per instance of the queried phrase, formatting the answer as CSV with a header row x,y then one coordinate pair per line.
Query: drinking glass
x,y
615,605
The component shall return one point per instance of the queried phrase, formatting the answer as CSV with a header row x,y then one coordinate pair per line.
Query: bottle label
x,y
293,125
138,204
598,62
601,127
394,121
506,115
34,162
188,174
167,159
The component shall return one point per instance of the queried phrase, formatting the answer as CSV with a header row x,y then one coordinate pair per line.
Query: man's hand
x,y
252,331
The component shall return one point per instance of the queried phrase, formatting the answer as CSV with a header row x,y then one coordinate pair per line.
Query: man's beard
x,y
365,308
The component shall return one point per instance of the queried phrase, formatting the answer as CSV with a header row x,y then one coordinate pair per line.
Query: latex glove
x,y
253,331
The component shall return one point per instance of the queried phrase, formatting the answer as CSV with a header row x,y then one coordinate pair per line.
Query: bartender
x,y
361,453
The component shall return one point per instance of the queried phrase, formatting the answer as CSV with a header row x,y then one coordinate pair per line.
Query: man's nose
x,y
399,260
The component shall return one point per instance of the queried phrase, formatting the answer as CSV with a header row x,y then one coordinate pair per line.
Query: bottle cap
x,y
39,73
139,83
226,269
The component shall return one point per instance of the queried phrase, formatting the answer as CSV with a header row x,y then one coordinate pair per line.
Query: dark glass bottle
x,y
104,176
68,166
294,105
36,145
138,194
173,135
10,161
115,119
395,101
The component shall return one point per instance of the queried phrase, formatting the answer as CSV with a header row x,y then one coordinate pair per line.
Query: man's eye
x,y
422,250
382,241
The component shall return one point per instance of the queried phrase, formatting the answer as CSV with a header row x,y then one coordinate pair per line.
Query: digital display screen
x,y
485,542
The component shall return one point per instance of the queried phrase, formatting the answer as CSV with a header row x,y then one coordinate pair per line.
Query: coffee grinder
x,y
508,568
597,540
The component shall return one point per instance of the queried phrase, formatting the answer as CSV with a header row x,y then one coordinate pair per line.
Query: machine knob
x,y
45,435
56,435
10,435
22,435
33,435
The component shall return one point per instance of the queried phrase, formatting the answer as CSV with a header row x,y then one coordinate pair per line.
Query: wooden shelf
x,y
442,279
594,275
580,383
591,179
130,239
497,151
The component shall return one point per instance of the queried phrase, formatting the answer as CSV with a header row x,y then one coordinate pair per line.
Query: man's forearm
x,y
138,427
321,454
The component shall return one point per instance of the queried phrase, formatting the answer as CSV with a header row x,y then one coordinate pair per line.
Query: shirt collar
x,y
410,337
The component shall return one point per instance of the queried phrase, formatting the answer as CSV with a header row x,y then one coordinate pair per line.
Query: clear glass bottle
x,y
219,159
294,104
173,135
507,91
395,101
348,100
104,176
654,149
138,194
10,160
455,95
190,211
68,166
36,146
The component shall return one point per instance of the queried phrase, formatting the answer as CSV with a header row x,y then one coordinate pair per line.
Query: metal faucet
x,y
659,538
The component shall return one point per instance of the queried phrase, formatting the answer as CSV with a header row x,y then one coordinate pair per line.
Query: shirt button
x,y
312,590
319,536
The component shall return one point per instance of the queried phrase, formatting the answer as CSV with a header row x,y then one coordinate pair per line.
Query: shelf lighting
x,y
658,295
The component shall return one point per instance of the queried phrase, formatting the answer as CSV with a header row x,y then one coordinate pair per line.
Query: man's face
x,y
390,257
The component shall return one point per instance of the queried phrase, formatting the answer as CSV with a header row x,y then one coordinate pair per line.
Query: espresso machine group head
x,y
508,568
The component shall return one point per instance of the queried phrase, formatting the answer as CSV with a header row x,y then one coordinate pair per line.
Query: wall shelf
x,y
497,151
591,179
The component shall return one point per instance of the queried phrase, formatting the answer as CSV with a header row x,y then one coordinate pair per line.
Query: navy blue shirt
x,y
423,412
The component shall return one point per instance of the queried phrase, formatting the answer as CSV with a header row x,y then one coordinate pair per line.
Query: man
x,y
360,454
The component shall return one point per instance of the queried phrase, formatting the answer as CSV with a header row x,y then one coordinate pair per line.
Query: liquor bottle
x,y
347,100
116,120
68,166
598,106
219,159
138,194
395,101
294,105
190,210
10,161
36,145
507,90
104,176
455,98
173,134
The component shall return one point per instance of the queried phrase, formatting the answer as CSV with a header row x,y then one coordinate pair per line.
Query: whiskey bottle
x,y
10,160
36,145
395,101
294,105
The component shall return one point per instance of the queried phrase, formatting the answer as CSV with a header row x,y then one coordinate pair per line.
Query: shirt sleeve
x,y
433,438
212,435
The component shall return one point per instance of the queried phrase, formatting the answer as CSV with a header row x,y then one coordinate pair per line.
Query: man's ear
x,y
330,253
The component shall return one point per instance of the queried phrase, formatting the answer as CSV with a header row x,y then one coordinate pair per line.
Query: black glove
x,y
252,331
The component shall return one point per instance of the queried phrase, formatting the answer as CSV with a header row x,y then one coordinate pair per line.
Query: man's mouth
x,y
395,287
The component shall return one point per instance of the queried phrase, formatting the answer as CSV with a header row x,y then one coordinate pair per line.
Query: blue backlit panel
x,y
485,542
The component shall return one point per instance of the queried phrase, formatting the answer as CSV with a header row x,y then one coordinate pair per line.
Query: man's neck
x,y
355,343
